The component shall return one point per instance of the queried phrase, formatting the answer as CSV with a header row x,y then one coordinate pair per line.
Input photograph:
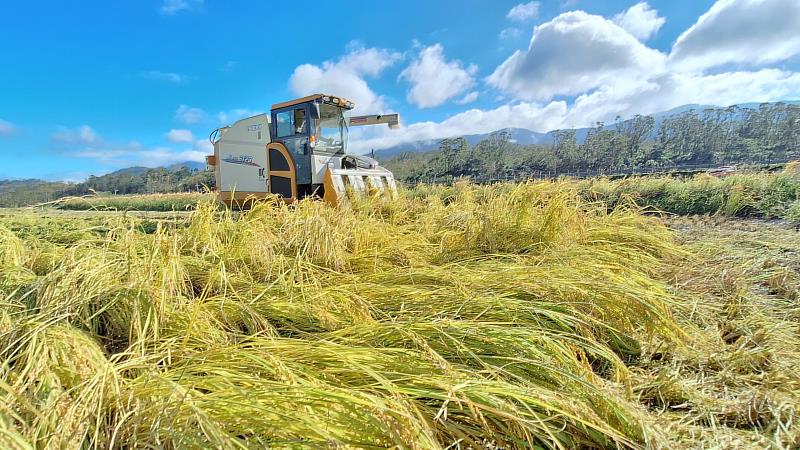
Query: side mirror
x,y
315,111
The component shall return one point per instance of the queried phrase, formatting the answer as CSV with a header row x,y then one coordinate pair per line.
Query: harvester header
x,y
297,150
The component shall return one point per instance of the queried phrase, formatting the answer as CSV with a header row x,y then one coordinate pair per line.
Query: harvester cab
x,y
298,150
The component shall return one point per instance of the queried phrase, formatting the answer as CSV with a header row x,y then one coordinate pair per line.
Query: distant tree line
x,y
15,193
731,135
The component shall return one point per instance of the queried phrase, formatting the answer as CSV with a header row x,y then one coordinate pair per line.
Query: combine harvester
x,y
298,150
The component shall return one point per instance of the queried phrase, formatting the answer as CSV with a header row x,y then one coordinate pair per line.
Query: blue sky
x,y
89,87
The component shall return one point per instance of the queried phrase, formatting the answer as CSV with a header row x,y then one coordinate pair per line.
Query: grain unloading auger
x,y
298,150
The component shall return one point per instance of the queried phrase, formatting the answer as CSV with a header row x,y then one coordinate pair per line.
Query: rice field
x,y
754,194
510,316
180,201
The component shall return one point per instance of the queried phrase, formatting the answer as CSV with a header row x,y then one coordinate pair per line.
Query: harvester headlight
x,y
350,104
335,101
326,99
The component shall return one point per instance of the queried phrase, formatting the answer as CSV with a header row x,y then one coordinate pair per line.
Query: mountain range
x,y
130,180
135,170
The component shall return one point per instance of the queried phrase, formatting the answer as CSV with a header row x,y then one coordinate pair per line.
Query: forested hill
x,y
711,136
132,180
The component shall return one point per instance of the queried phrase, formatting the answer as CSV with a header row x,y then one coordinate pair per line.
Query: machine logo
x,y
245,160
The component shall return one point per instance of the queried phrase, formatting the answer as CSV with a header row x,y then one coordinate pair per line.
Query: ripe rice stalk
x,y
508,316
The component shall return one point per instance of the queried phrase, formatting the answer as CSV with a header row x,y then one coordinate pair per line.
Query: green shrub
x,y
793,212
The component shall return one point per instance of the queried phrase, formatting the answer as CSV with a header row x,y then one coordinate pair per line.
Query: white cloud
x,y
521,115
7,128
189,115
70,176
83,135
571,54
85,142
469,98
192,116
524,11
510,33
136,155
346,77
659,94
170,7
599,65
367,61
669,90
169,77
204,146
604,71
753,32
228,117
179,136
434,80
640,20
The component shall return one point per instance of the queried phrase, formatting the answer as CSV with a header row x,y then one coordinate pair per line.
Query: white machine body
x,y
321,163
241,158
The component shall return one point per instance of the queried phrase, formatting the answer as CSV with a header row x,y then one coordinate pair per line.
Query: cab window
x,y
299,121
284,122
290,123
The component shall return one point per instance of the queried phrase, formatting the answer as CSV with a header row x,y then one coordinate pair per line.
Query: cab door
x,y
281,177
292,125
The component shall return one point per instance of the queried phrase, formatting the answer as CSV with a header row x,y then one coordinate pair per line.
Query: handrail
x,y
214,136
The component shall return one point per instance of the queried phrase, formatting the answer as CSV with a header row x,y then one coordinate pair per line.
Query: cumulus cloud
x,y
753,32
85,142
434,80
179,136
204,146
469,98
600,65
346,77
7,128
83,135
669,90
190,115
660,93
510,33
524,11
136,155
640,20
168,77
604,71
193,116
520,115
228,117
170,7
571,54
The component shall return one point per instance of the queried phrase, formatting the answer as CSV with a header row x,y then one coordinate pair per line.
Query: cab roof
x,y
297,101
